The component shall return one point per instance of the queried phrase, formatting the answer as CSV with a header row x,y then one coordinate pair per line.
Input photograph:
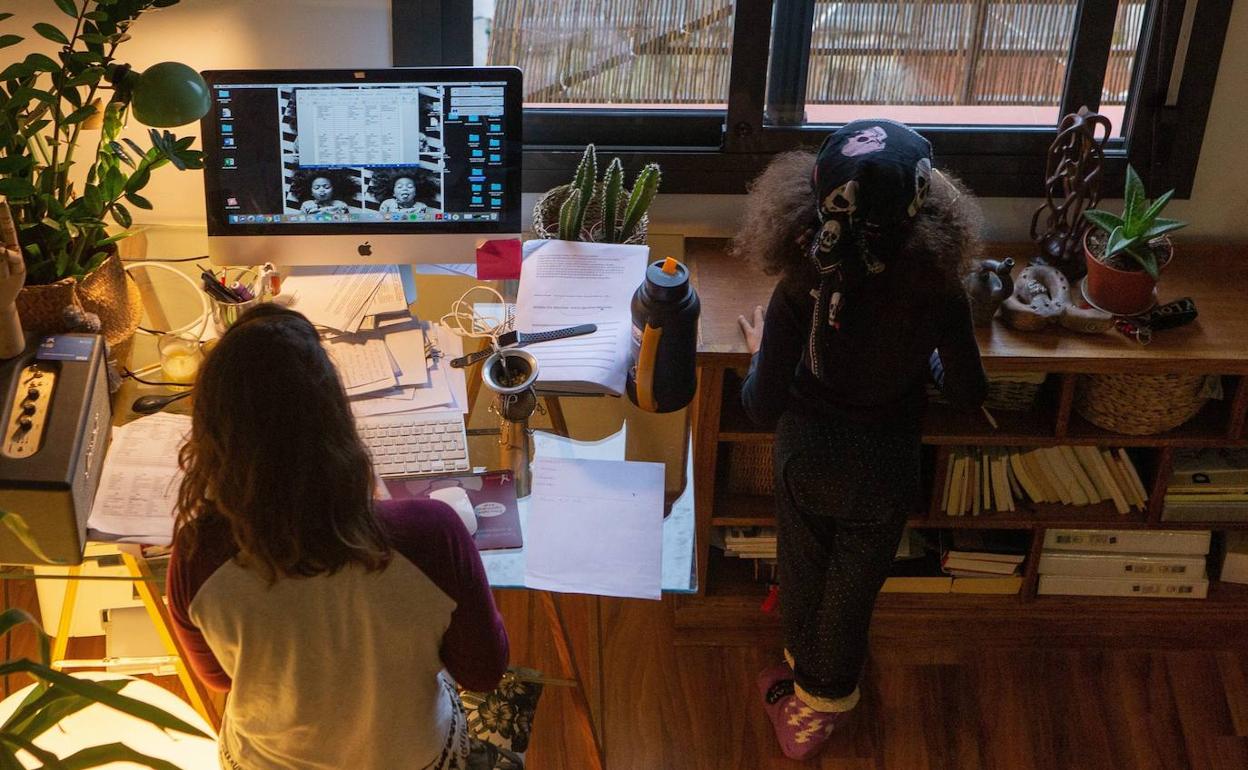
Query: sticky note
x,y
499,260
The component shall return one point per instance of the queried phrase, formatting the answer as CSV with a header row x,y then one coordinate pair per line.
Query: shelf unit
x,y
729,597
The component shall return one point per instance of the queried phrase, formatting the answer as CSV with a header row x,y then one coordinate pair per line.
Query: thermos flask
x,y
665,307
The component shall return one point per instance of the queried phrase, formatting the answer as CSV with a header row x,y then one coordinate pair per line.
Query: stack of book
x,y
985,479
1208,485
1102,562
964,561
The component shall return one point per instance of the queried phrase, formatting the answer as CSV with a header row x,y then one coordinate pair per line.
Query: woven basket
x,y
1015,393
750,469
108,291
1140,404
546,216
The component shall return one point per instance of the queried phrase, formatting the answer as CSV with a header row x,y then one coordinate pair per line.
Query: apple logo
x,y
365,249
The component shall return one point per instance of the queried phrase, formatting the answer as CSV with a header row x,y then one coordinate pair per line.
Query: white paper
x,y
389,297
565,283
363,363
139,480
467,269
555,446
335,297
595,527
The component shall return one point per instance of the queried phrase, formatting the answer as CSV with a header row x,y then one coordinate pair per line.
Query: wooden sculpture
x,y
1072,185
1042,298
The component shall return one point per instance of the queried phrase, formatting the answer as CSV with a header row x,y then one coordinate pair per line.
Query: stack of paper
x,y
343,297
417,383
139,481
565,283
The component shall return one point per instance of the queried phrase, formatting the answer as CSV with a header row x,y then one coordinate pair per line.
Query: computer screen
x,y
369,158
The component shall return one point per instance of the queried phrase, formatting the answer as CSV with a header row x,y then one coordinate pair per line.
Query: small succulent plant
x,y
586,188
1138,226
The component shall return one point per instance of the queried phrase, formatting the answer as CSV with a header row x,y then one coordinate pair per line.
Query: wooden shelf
x,y
1217,343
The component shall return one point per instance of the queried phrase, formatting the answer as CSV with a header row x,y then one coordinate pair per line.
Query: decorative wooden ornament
x,y
1072,185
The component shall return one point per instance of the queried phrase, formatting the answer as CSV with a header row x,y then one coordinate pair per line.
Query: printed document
x,y
336,297
595,527
139,481
565,283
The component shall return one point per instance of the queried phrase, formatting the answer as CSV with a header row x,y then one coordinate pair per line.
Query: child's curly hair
x,y
780,218
345,182
381,186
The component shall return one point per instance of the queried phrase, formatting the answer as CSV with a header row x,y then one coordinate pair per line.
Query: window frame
x,y
714,151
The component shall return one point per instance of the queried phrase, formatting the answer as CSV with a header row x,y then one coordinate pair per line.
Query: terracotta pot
x,y
106,291
1121,292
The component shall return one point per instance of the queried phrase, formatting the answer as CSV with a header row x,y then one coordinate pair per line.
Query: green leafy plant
x,y
46,103
56,696
587,189
1140,224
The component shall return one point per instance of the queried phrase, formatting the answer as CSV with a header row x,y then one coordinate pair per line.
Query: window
x,y
712,89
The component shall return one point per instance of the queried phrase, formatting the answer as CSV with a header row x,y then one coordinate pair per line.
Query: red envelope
x,y
498,260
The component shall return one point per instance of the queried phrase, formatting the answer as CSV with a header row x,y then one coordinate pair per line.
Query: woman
x,y
333,621
870,247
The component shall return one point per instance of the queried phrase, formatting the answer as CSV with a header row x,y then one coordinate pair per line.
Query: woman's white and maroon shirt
x,y
349,669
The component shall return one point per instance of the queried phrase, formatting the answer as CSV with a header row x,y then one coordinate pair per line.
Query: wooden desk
x,y
1217,343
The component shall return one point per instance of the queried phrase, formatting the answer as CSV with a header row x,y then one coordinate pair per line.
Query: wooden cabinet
x,y
1216,344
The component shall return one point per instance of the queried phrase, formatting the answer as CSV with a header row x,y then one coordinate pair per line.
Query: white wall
x,y
356,33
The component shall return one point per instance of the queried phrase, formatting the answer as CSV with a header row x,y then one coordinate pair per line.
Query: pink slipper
x,y
801,730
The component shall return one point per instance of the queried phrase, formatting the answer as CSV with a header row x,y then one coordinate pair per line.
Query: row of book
x,y
984,479
1137,563
1208,485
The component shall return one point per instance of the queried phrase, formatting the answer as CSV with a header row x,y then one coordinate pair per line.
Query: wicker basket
x,y
108,291
750,469
1140,404
1009,393
546,216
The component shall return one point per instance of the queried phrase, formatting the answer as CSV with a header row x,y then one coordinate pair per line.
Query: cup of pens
x,y
229,298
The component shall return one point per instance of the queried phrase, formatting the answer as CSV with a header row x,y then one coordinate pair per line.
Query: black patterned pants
x,y
843,493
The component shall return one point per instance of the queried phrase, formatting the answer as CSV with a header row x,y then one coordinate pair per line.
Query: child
x,y
870,245
331,620
321,189
404,191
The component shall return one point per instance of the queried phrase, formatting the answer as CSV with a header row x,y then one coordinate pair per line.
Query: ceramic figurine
x,y
1042,297
988,287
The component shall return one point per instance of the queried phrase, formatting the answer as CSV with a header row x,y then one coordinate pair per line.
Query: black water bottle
x,y
664,377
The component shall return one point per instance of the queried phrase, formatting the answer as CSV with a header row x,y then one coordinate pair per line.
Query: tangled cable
x,y
465,321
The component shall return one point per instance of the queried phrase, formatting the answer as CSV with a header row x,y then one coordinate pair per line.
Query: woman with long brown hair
x,y
870,242
331,619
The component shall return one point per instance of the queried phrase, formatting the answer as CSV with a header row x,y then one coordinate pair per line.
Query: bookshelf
x,y
729,596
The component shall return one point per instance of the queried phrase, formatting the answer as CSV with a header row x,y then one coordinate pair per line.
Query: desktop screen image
x,y
413,156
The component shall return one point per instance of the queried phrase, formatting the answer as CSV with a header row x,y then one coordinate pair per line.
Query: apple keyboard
x,y
415,444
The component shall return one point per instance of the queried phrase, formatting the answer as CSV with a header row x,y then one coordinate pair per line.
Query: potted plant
x,y
1126,254
596,210
54,109
57,695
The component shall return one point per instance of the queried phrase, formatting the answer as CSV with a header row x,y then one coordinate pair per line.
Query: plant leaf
x,y
8,40
16,187
68,6
19,528
42,62
97,756
1155,209
5,15
49,760
57,707
79,115
1146,261
122,703
139,201
51,33
1133,198
1117,242
1161,227
1103,219
122,215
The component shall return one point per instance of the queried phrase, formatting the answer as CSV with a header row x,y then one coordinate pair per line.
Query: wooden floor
x,y
674,707
667,705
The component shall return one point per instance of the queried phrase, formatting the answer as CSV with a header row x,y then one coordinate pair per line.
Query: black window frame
x,y
714,151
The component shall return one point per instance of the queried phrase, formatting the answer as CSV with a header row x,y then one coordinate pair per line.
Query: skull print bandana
x,y
871,179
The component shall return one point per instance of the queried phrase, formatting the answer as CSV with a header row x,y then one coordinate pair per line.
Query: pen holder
x,y
224,314
511,373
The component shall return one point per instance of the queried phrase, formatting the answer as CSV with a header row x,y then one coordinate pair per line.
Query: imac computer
x,y
395,166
